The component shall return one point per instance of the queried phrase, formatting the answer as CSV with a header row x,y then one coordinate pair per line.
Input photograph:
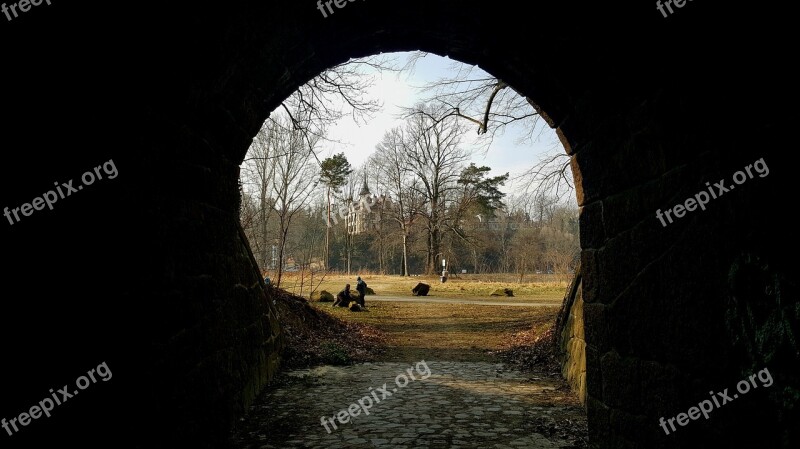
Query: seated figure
x,y
343,298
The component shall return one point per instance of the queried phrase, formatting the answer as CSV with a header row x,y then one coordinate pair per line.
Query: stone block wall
x,y
570,341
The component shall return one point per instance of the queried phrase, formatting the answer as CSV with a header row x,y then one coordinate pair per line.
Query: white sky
x,y
398,90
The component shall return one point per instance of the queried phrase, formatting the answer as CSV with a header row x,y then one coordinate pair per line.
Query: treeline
x,y
416,201
512,242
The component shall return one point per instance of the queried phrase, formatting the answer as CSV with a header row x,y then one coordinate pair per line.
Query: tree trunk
x,y
435,247
265,247
348,243
281,248
405,254
349,259
430,261
327,234
380,253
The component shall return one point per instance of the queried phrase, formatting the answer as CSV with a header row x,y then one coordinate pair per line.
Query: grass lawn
x,y
534,288
456,332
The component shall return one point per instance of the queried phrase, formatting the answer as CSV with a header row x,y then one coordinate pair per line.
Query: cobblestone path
x,y
444,405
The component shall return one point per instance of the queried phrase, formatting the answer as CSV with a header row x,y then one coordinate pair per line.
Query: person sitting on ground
x,y
343,298
361,286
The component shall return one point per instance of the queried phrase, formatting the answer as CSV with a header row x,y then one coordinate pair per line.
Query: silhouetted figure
x,y
361,286
343,298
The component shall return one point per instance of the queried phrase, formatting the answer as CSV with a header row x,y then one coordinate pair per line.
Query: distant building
x,y
364,212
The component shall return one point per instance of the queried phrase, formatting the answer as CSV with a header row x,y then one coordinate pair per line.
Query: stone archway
x,y
649,115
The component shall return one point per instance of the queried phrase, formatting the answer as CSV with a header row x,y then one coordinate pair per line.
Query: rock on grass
x,y
421,289
323,296
355,307
503,292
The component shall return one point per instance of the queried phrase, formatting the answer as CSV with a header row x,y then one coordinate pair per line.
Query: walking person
x,y
361,286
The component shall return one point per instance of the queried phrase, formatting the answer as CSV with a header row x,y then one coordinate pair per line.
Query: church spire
x,y
365,188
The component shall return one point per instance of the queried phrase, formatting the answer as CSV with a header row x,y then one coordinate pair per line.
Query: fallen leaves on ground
x,y
313,337
533,351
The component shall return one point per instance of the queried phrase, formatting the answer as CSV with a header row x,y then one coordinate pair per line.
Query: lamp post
x,y
443,277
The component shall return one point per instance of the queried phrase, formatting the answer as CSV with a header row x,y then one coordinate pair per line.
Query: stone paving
x,y
449,405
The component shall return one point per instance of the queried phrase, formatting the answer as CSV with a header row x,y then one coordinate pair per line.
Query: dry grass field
x,y
456,332
534,287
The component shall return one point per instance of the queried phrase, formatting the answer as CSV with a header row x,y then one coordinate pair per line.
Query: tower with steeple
x,y
359,219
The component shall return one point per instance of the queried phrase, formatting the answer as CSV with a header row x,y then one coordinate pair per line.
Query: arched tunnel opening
x,y
144,274
380,192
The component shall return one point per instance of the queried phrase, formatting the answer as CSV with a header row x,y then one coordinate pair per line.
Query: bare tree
x,y
436,157
335,93
560,238
482,99
382,227
493,105
550,177
416,168
259,168
527,244
308,230
349,190
248,214
293,181
398,180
